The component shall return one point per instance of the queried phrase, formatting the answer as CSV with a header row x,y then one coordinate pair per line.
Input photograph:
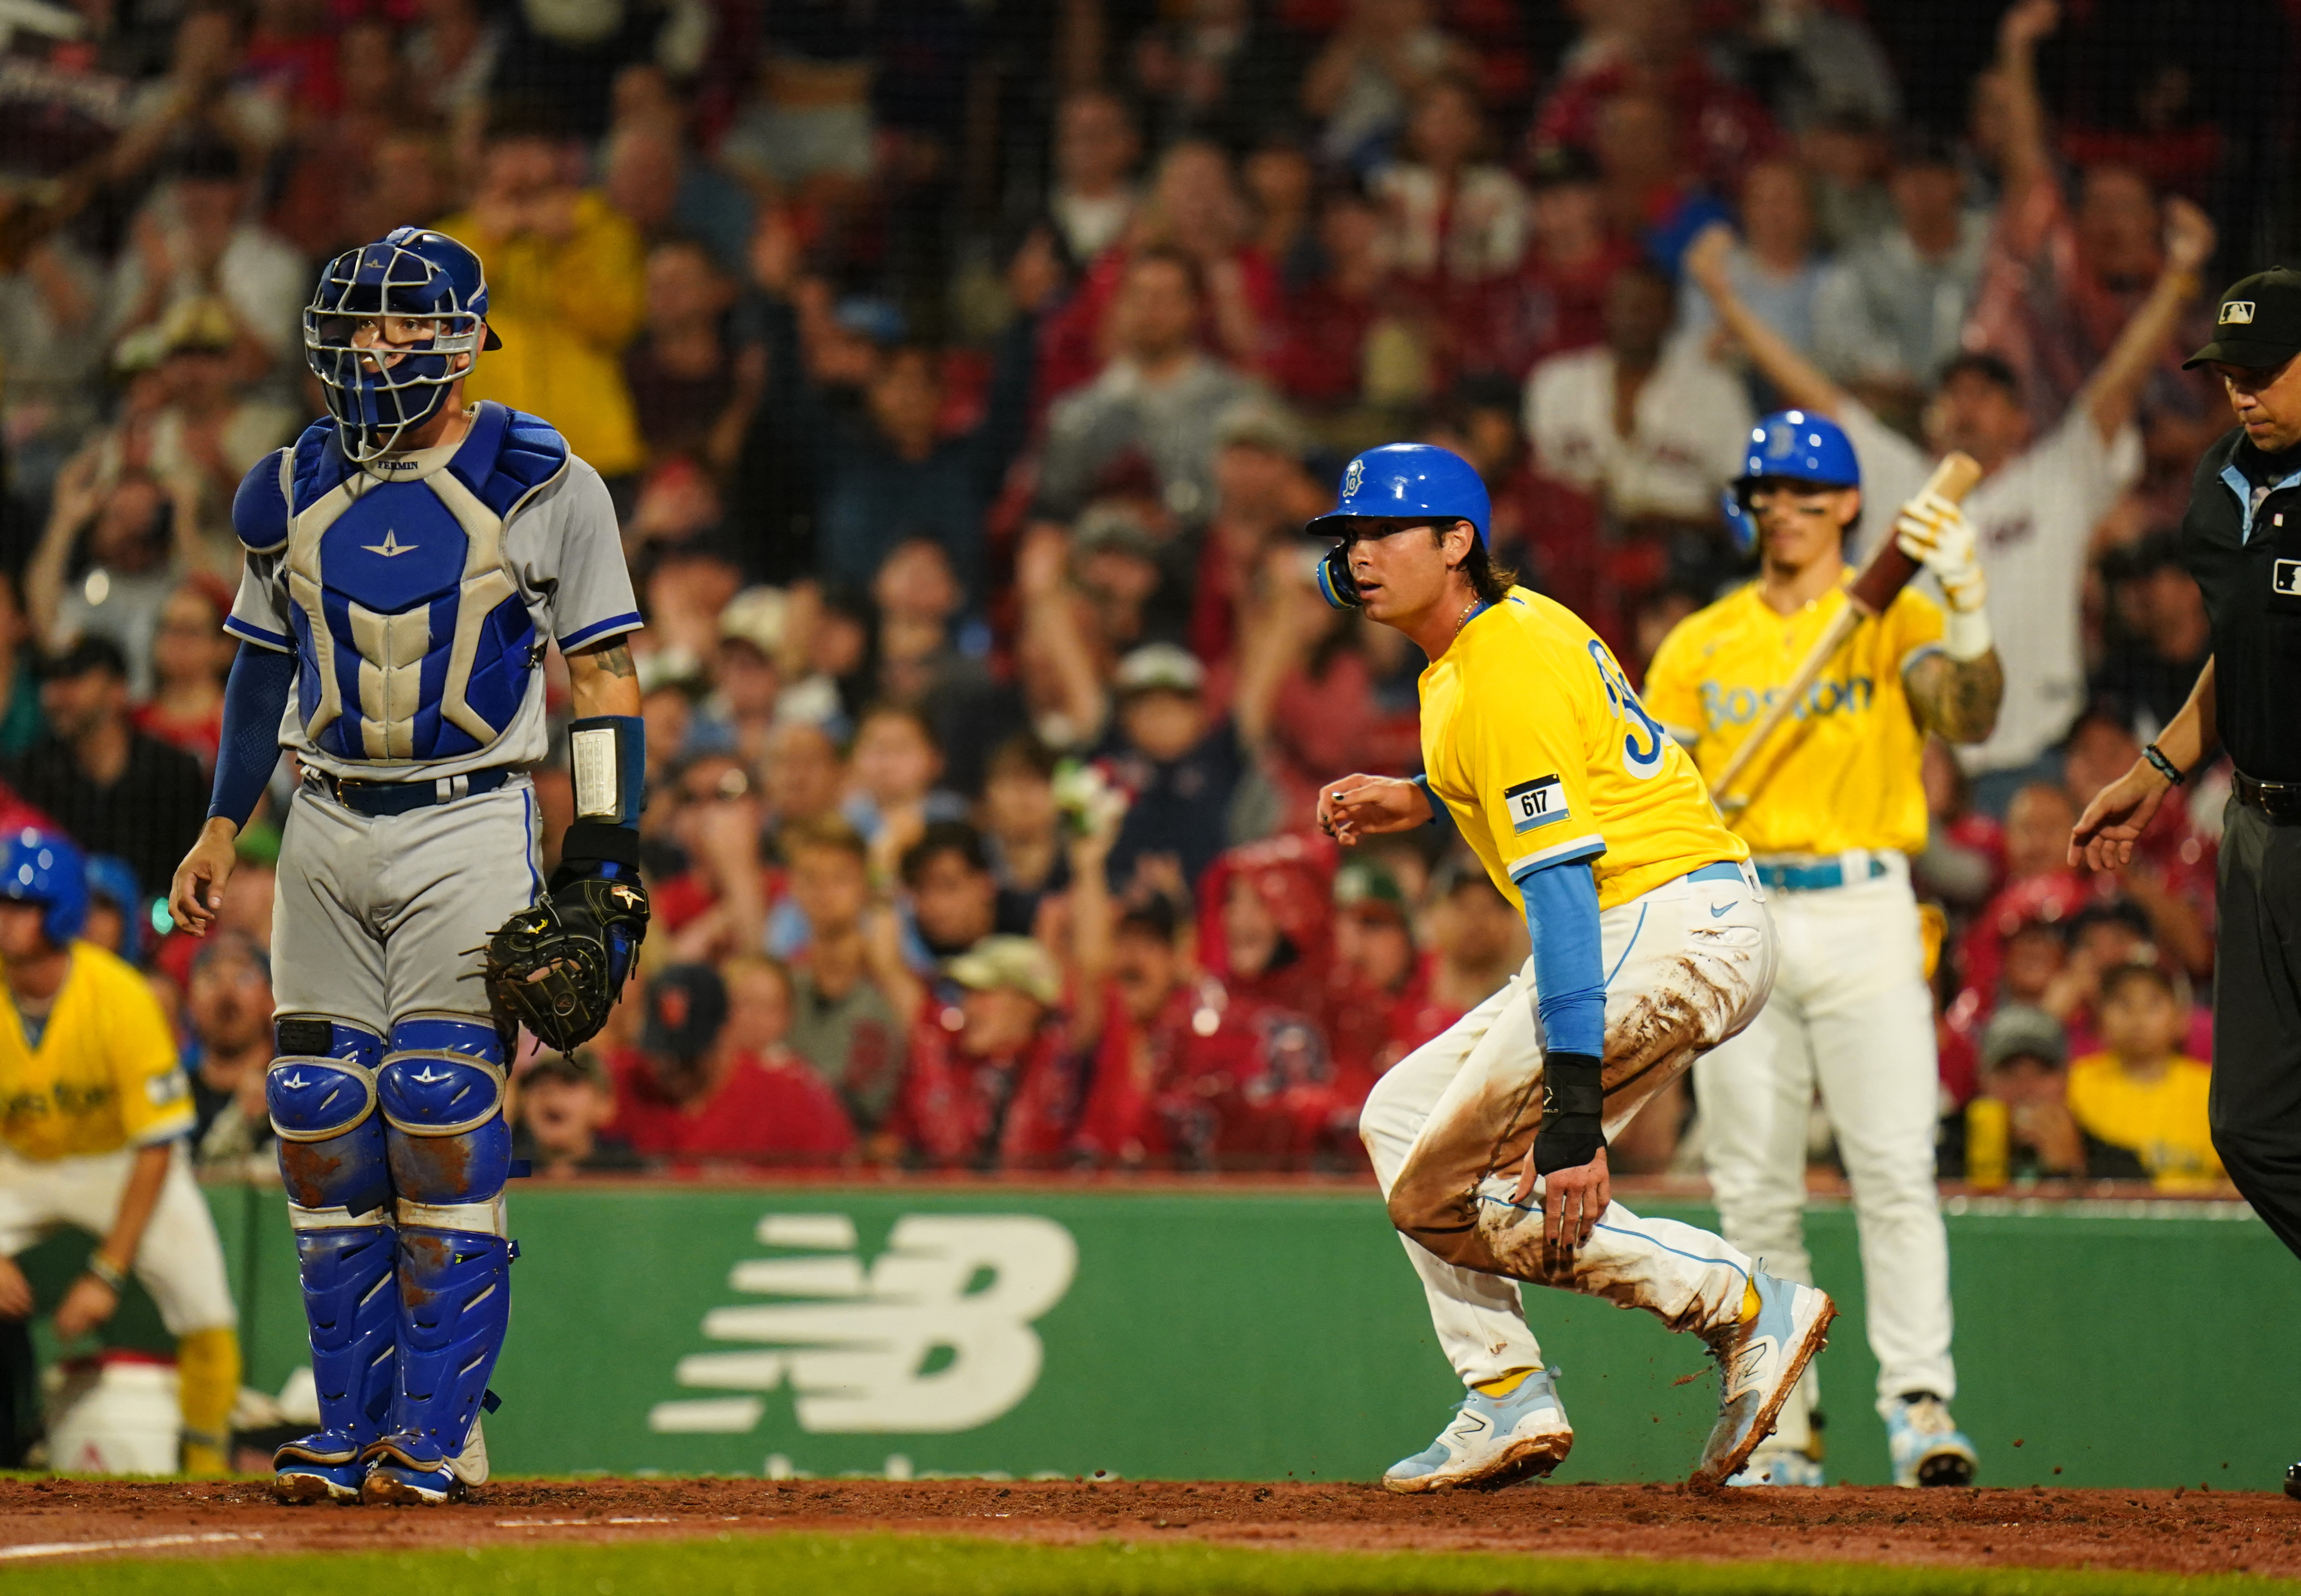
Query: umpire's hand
x,y
2104,835
197,893
1368,806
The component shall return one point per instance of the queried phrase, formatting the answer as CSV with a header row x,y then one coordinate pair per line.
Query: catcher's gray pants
x,y
378,917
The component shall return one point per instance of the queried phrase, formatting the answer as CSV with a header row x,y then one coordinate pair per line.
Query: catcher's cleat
x,y
408,1471
323,1467
1925,1443
1758,1361
1493,1442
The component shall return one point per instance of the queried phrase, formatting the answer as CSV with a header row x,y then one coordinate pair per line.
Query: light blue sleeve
x,y
1569,977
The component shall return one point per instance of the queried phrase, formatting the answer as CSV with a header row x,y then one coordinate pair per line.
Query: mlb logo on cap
x,y
2237,311
2258,323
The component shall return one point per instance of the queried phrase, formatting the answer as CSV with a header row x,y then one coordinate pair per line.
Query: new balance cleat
x,y
322,1467
1493,1442
1772,1465
1758,1361
1925,1443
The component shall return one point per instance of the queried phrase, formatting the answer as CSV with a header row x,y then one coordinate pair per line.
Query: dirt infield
x,y
2170,1531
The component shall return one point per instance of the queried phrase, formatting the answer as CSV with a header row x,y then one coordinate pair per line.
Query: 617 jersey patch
x,y
1536,804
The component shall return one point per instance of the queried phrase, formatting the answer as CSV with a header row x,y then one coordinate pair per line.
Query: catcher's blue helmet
x,y
1797,445
412,273
1399,481
46,868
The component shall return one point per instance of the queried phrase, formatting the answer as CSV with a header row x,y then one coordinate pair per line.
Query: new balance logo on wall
x,y
936,1336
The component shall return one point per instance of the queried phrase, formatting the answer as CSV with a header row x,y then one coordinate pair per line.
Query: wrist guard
x,y
1573,1105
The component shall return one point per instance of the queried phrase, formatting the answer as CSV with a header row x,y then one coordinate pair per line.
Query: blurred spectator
x,y
1358,89
52,343
1218,67
195,240
844,1023
1181,766
451,52
955,900
1556,300
1848,156
20,681
1454,216
119,913
190,657
1282,183
890,473
688,1093
565,1102
1327,356
897,768
2141,1095
1022,826
992,1081
125,793
129,544
649,174
332,161
567,288
1653,50
807,125
1888,312
209,431
747,670
1773,266
2039,499
2158,640
2022,1079
1964,858
1651,425
1264,493
691,393
1092,197
2171,872
1814,60
228,1049
803,771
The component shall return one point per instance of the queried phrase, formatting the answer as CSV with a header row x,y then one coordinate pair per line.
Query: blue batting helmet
x,y
1399,481
45,868
412,273
1793,444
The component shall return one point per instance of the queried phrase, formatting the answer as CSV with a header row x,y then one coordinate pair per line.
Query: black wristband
x,y
601,841
2164,766
1573,1108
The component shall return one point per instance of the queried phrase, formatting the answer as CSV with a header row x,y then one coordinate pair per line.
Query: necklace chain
x,y
1466,614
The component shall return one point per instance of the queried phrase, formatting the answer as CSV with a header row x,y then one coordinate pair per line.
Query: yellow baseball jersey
x,y
1533,738
2162,1122
104,1075
1843,773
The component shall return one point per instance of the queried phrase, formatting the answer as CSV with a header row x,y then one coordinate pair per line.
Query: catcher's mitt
x,y
557,965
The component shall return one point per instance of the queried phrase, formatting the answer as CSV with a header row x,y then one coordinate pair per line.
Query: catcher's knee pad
x,y
441,1089
322,1095
350,1278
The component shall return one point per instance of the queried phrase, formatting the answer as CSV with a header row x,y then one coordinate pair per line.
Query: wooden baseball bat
x,y
1885,573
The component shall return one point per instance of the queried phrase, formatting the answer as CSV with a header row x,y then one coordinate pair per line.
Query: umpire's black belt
x,y
397,798
2279,800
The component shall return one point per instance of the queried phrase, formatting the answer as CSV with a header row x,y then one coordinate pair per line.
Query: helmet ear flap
x,y
1336,585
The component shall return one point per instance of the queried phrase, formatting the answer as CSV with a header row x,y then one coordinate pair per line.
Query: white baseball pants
x,y
178,1261
1688,965
1850,1015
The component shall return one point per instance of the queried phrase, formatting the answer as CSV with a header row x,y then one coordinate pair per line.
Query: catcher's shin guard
x,y
322,1100
451,1151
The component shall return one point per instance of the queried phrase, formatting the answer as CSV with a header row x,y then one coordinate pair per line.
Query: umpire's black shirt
x,y
2241,540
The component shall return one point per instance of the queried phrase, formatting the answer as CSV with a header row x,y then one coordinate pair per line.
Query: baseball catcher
x,y
408,563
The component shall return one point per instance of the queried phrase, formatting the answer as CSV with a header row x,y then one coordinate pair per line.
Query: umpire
x,y
2241,540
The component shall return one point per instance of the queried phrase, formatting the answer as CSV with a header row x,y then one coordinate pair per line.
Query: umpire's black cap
x,y
2258,323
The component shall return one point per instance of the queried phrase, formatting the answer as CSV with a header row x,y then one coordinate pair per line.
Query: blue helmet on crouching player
x,y
1792,445
409,563
1399,481
47,869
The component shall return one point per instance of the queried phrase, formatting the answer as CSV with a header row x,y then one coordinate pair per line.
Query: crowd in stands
x,y
963,374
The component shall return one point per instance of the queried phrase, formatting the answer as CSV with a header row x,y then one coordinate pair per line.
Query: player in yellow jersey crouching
x,y
92,1104
1832,808
1651,945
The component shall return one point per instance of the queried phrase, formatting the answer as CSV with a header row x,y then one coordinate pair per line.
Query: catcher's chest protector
x,y
413,640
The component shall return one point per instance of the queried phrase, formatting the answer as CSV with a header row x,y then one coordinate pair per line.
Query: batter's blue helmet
x,y
410,273
1400,481
1797,445
45,868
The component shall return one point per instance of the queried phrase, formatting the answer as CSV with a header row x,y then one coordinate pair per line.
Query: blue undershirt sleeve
x,y
1569,977
254,696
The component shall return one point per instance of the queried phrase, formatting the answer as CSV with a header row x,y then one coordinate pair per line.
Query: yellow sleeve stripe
x,y
1559,853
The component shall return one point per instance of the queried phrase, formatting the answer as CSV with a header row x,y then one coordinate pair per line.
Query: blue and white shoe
x,y
1758,1361
1925,1443
1780,1466
410,1471
320,1467
1493,1442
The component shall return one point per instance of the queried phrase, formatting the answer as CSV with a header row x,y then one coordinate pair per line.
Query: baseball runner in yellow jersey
x,y
1651,945
1832,809
92,1104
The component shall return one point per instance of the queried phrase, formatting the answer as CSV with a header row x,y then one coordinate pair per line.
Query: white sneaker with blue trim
x,y
1776,1465
1758,1361
1493,1442
1925,1443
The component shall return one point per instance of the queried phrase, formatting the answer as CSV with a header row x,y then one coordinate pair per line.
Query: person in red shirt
x,y
688,1094
993,1082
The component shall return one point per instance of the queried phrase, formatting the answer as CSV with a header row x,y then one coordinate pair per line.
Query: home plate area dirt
x,y
2206,1532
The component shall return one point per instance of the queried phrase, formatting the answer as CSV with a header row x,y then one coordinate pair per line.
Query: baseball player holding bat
x,y
408,563
1831,808
1651,945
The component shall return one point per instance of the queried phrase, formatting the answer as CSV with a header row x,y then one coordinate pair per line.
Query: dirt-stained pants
x,y
1688,965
